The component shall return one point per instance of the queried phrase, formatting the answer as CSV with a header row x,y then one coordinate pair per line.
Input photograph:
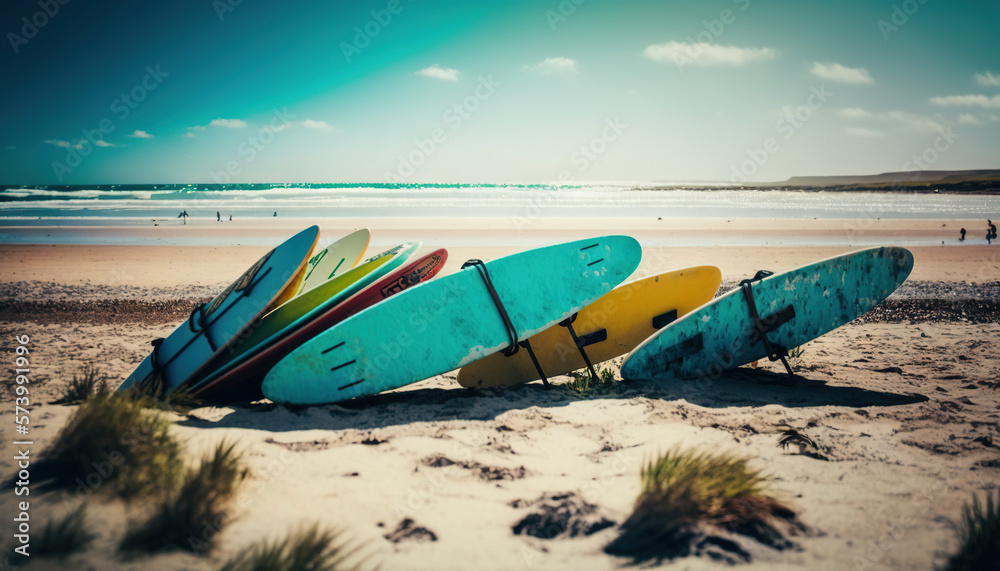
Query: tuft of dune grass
x,y
91,382
979,535
191,516
63,536
112,442
309,549
683,491
180,399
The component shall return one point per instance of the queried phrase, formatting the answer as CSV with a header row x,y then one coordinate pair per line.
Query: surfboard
x,y
446,323
611,326
793,308
211,327
335,259
241,379
307,306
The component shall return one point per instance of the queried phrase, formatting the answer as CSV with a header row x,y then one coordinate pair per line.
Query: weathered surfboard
x,y
794,307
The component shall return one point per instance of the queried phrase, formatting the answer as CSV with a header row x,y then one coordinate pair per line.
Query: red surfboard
x,y
243,382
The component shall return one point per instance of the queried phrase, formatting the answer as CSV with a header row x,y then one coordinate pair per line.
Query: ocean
x,y
141,205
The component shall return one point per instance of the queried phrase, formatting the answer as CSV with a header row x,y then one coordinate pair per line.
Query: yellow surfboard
x,y
611,326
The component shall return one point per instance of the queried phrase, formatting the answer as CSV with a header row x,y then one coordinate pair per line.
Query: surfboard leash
x,y
511,331
774,352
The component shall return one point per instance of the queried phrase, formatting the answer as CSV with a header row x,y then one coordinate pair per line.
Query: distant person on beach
x,y
275,214
962,239
218,216
230,217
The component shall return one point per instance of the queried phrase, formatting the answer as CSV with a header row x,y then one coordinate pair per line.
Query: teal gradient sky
x,y
546,91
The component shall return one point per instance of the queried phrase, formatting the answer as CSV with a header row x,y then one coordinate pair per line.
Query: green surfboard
x,y
443,324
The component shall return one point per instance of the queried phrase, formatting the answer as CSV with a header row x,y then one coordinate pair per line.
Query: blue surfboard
x,y
443,324
212,326
793,308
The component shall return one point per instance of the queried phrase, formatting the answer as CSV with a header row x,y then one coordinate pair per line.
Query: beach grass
x,y
64,536
91,382
979,535
310,548
586,384
685,490
112,442
191,516
180,399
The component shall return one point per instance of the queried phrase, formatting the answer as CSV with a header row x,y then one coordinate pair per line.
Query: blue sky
x,y
505,91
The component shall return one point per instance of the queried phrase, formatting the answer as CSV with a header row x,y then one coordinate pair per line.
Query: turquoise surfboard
x,y
443,324
794,307
212,326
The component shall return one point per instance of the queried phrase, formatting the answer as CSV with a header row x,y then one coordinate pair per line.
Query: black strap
x,y
774,352
197,326
159,370
511,331
568,324
527,345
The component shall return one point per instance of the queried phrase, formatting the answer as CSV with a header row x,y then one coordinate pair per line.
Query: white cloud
x,y
554,65
228,123
968,119
914,122
837,72
863,132
189,134
856,113
968,101
63,144
906,120
702,53
988,79
139,134
310,124
438,72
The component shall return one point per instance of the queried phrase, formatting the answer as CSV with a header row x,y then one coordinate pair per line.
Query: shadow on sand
x,y
737,388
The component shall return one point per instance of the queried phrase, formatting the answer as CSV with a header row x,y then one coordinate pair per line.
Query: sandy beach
x,y
902,404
